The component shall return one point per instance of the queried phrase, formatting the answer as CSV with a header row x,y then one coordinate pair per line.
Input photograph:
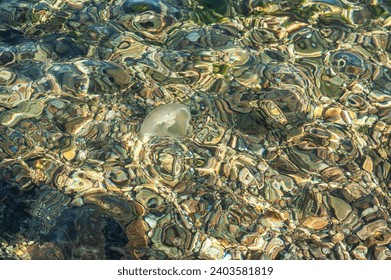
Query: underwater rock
x,y
170,120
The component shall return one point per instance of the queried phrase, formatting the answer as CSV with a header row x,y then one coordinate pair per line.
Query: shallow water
x,y
287,154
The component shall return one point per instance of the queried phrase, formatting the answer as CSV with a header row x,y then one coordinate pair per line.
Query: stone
x,y
315,223
371,229
340,207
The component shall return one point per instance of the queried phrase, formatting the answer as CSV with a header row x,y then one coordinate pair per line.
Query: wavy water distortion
x,y
184,129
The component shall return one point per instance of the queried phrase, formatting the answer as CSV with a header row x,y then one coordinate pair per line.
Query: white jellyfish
x,y
171,120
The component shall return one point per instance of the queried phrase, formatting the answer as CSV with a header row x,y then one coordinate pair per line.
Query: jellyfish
x,y
170,120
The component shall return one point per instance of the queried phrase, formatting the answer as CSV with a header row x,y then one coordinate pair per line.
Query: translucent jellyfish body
x,y
170,120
